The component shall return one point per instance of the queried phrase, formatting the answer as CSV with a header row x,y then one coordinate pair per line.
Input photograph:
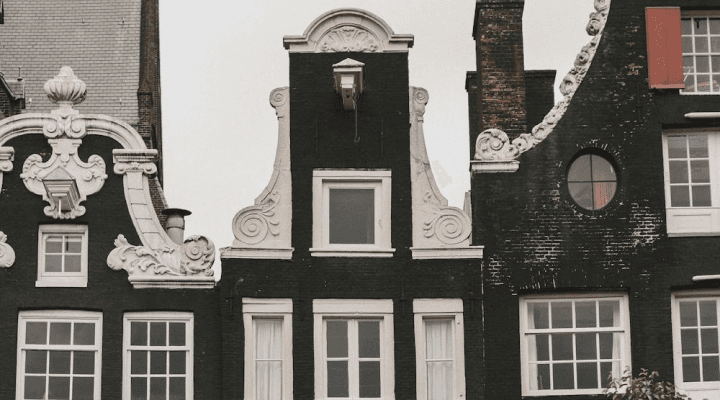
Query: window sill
x,y
341,252
61,282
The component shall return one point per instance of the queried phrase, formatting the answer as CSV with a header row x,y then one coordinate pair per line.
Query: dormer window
x,y
62,258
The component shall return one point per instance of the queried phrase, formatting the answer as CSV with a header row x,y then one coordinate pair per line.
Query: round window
x,y
592,181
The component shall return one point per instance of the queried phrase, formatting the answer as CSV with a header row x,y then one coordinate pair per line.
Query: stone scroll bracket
x,y
264,229
7,156
439,231
495,153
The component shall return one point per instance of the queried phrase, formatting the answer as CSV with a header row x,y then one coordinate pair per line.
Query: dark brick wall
x,y
539,241
108,291
539,95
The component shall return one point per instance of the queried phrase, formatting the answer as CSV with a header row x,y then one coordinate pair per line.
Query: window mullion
x,y
353,359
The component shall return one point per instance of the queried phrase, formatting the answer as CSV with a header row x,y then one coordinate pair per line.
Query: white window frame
x,y
439,309
702,14
695,221
275,309
50,316
380,182
62,279
698,390
625,356
159,316
353,310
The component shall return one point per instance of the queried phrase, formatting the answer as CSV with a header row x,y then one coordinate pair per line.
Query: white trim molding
x,y
345,30
439,231
7,254
493,145
279,310
264,230
442,311
351,312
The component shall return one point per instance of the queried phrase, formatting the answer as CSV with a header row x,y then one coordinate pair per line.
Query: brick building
x,y
600,223
98,300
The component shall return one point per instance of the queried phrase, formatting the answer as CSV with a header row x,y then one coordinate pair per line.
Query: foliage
x,y
646,386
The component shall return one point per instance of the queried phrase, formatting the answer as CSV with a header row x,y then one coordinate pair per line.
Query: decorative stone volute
x,y
7,254
66,90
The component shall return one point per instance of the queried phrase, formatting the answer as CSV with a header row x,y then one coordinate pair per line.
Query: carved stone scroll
x,y
439,230
263,230
7,254
7,155
493,146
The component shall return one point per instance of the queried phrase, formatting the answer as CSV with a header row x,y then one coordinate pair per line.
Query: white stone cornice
x,y
7,254
345,30
492,145
439,230
264,229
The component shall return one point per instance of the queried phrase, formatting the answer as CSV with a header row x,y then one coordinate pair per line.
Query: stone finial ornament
x,y
493,146
66,89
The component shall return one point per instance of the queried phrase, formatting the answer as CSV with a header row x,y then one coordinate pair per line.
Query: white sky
x,y
221,59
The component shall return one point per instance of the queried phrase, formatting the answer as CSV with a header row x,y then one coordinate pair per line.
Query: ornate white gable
x,y
348,29
157,261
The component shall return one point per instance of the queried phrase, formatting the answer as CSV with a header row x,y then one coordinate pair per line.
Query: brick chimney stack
x,y
500,68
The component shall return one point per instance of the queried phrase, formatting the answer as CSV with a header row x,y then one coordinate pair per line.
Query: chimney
x,y
498,35
175,223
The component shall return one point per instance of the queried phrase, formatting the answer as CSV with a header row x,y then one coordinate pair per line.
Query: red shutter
x,y
664,47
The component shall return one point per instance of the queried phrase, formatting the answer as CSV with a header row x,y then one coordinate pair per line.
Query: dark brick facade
x,y
538,240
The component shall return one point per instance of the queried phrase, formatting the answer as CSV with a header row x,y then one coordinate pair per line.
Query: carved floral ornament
x,y
7,254
349,38
493,145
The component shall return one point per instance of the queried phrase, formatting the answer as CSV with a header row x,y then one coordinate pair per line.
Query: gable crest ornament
x,y
64,180
348,38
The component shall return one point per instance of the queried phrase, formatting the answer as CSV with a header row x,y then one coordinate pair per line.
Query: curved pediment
x,y
348,30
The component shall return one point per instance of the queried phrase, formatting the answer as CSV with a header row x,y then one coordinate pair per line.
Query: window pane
x,y
59,362
680,196
177,389
83,388
138,333
369,339
438,339
538,315
691,369
158,362
703,83
709,340
53,263
439,380
35,361
84,362
604,192
268,380
268,339
352,216
53,244
34,387
714,26
686,27
60,333
609,313
72,263
84,334
138,388
606,370
582,194
138,362
586,346
688,313
711,370
562,347
702,64
543,347
73,244
678,171
369,379
677,146
708,313
158,388
543,378
580,169
698,146
177,362
587,375
337,379
585,314
700,26
608,348
158,333
59,387
602,170
561,314
563,376
700,171
701,196
36,333
701,44
689,340
687,47
715,65
337,339
177,333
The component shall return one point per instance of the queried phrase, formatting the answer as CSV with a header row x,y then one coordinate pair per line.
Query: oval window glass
x,y
592,181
